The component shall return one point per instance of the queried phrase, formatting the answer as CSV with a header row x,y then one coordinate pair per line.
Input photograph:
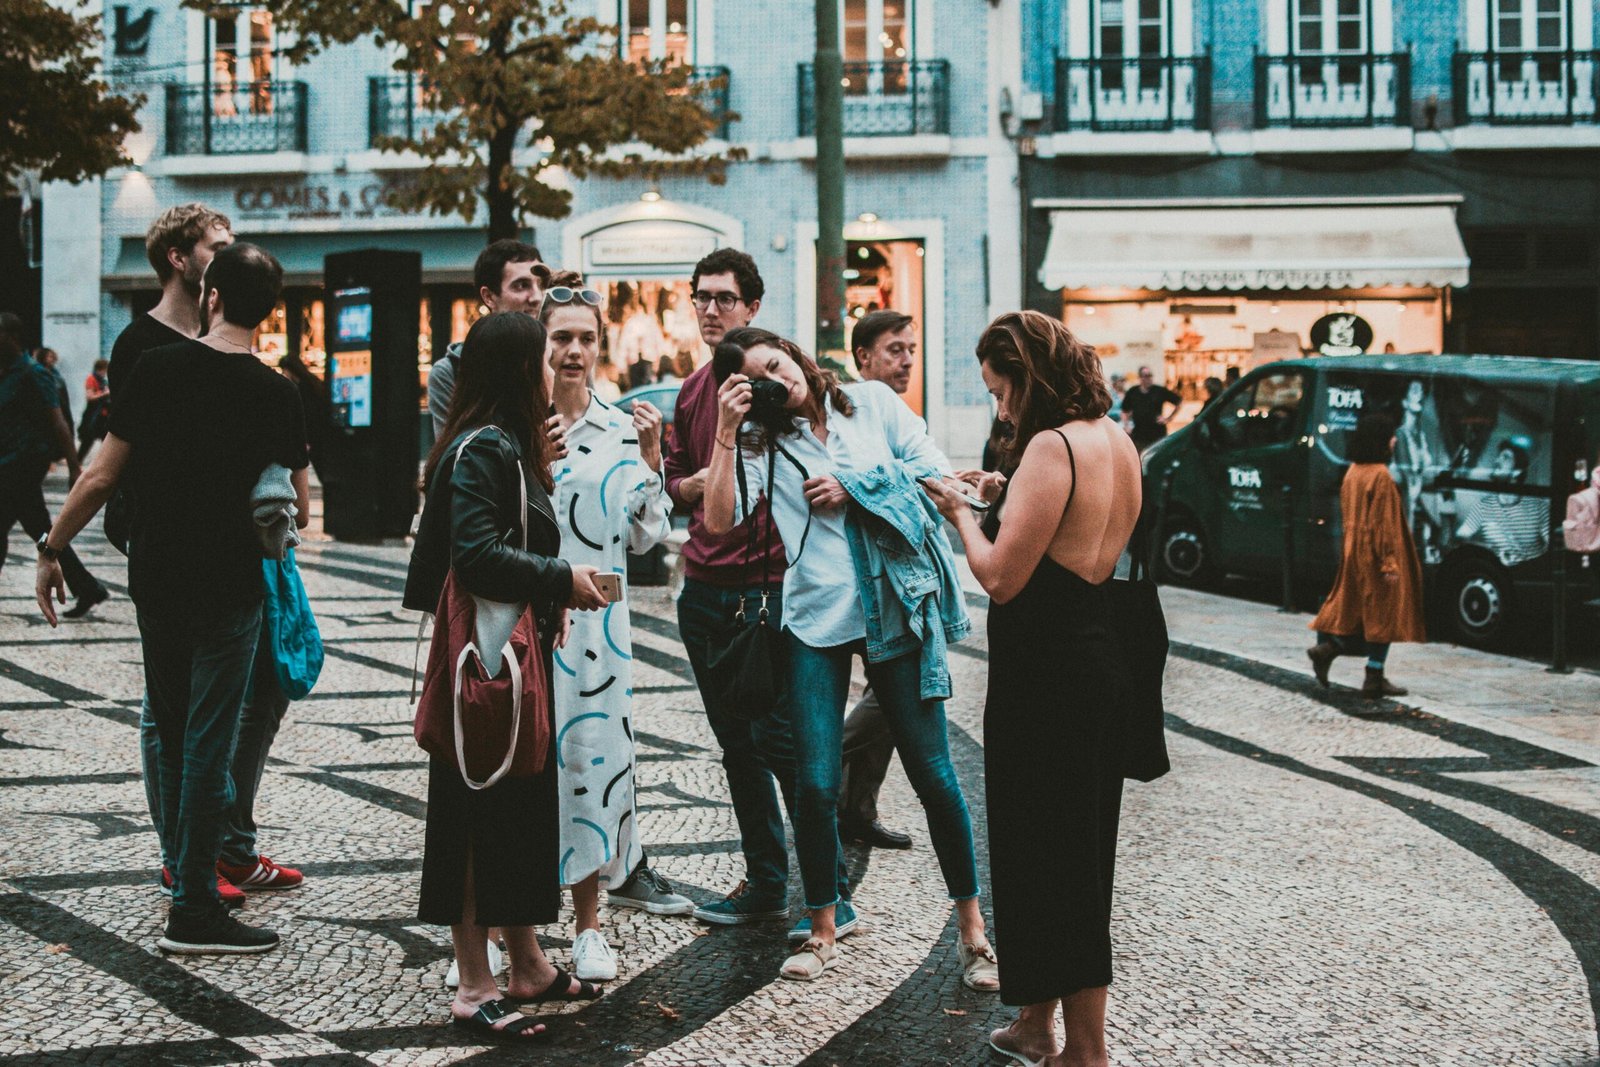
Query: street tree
x,y
58,117
497,75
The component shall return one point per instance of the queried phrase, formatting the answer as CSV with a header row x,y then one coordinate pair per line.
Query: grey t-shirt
x,y
442,386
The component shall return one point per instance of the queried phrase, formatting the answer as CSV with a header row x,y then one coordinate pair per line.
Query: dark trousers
x,y
197,663
22,501
258,726
868,749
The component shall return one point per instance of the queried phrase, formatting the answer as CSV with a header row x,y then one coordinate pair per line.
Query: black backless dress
x,y
1053,791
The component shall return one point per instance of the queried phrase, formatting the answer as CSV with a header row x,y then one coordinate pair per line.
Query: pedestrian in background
x,y
1144,409
1377,597
1053,784
489,855
96,407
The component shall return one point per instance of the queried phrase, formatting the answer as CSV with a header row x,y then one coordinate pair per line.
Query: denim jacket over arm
x,y
910,588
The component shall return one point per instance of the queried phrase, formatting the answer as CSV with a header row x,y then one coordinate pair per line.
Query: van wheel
x,y
1185,557
1478,602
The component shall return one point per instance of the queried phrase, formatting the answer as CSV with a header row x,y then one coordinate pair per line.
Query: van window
x,y
1262,413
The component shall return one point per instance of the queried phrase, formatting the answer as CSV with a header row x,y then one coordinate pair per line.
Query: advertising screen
x,y
351,385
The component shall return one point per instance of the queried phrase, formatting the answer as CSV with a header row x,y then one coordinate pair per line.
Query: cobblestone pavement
x,y
1309,885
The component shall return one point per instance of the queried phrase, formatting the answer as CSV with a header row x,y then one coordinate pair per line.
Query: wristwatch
x,y
51,554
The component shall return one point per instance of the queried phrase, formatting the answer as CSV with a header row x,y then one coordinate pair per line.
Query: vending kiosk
x,y
373,298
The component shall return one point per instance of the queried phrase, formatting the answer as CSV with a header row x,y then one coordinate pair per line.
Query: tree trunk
x,y
502,204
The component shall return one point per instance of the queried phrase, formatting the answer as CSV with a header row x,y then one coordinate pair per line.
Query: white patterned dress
x,y
608,503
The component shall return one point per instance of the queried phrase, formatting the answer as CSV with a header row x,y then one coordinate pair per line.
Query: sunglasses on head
x,y
562,294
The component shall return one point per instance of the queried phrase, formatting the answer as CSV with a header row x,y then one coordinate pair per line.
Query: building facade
x,y
286,153
1212,183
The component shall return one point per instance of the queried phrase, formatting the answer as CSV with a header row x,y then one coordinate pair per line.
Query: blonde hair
x,y
179,228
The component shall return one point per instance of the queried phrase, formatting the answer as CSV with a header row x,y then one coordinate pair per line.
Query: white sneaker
x,y
592,960
497,967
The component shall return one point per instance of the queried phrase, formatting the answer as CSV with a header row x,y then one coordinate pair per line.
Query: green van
x,y
1483,446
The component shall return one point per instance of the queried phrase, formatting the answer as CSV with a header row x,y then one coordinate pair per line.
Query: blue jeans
x,y
196,668
758,757
259,721
819,684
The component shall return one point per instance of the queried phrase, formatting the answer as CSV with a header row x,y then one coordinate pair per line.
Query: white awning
x,y
1254,245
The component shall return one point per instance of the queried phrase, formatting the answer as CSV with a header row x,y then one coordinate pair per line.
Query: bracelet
x,y
725,444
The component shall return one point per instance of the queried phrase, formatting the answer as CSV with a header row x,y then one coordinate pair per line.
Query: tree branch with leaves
x,y
57,114
501,75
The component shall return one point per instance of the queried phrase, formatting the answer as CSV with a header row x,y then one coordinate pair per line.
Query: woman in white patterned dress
x,y
610,500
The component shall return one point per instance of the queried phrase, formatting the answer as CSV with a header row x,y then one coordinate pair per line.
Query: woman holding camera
x,y
489,855
610,500
815,436
1053,788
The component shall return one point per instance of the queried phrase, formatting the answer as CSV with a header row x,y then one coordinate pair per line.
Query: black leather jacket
x,y
469,520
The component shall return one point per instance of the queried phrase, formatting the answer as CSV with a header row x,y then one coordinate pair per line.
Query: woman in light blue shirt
x,y
822,429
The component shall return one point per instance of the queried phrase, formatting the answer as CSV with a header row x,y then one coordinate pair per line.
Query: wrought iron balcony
x,y
227,119
1559,88
711,84
1333,90
1142,93
894,98
401,106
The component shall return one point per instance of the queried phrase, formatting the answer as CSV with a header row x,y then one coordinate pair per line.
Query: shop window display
x,y
886,275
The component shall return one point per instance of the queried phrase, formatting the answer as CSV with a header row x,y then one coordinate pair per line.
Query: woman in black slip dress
x,y
1073,495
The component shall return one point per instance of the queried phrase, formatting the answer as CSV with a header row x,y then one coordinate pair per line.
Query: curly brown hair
x,y
821,384
1056,377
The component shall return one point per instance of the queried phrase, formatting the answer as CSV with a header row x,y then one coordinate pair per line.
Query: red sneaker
x,y
232,896
263,875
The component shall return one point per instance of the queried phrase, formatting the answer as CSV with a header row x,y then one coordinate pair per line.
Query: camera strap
x,y
773,449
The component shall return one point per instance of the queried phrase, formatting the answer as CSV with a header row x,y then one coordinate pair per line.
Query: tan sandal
x,y
980,969
809,961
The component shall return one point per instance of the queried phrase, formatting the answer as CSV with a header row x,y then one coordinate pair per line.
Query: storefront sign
x,y
285,200
1342,334
638,249
1240,280
1274,344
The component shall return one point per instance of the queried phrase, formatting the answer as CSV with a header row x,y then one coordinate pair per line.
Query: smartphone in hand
x,y
610,586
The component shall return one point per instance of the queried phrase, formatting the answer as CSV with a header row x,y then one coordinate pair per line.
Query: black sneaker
x,y
87,603
213,932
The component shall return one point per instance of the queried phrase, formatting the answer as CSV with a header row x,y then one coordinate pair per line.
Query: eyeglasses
x,y
562,294
724,301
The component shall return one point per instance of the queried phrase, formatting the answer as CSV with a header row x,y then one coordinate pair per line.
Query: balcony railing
x,y
221,119
711,84
894,98
1133,94
1515,88
1333,90
401,106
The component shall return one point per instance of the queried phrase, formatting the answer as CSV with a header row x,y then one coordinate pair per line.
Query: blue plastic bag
x,y
291,628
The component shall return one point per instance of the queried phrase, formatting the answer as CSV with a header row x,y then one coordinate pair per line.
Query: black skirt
x,y
1052,786
511,834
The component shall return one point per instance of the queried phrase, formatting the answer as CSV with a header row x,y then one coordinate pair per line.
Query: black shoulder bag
x,y
1141,631
747,662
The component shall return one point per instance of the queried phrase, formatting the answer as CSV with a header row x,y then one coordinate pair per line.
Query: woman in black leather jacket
x,y
489,856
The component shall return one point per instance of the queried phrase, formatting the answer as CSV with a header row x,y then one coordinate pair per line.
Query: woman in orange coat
x,y
1377,598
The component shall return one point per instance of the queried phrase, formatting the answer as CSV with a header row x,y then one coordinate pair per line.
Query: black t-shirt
x,y
203,425
140,336
1144,408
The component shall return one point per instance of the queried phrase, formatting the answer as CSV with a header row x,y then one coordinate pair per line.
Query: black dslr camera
x,y
767,398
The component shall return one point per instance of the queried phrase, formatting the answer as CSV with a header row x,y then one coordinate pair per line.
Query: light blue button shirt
x,y
821,593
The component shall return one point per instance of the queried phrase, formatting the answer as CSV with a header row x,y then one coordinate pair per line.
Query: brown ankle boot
x,y
1377,686
1322,656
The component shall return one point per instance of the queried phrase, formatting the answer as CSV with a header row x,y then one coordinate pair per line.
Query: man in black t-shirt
x,y
1143,410
194,427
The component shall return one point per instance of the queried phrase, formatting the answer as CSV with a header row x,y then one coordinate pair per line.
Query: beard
x,y
193,272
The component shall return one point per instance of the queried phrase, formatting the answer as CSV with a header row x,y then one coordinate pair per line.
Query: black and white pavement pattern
x,y
1309,886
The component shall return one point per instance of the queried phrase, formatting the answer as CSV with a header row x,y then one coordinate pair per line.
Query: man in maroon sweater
x,y
720,574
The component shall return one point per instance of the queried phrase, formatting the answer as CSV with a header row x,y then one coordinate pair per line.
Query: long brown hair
x,y
500,382
822,386
1056,377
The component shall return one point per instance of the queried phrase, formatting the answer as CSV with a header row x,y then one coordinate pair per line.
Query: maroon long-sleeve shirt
x,y
726,560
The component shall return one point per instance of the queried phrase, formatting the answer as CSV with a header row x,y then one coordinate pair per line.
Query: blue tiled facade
x,y
929,187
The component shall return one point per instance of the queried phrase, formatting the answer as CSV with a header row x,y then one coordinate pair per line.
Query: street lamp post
x,y
829,103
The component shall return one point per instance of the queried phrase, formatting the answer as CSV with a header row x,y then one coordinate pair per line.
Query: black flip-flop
x,y
560,988
482,1022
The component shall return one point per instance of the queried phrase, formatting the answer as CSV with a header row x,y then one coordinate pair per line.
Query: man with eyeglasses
x,y
719,573
510,276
